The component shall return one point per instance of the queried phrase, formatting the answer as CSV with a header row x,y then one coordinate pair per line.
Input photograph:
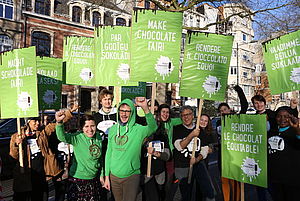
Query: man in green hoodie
x,y
122,161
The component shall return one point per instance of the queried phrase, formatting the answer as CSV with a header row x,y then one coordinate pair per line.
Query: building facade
x,y
242,65
11,28
45,23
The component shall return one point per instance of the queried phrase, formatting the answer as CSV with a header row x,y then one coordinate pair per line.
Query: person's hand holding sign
x,y
152,151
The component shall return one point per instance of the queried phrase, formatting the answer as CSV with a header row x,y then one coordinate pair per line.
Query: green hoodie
x,y
125,143
169,126
87,161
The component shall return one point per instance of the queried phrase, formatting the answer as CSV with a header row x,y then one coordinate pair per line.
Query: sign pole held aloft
x,y
20,145
195,140
149,162
118,95
242,191
153,97
79,105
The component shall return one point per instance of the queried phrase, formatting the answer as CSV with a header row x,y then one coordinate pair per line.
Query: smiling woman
x,y
87,165
89,128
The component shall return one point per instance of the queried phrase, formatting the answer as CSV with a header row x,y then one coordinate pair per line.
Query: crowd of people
x,y
114,148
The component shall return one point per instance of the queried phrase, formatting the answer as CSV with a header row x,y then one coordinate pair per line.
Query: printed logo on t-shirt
x,y
34,148
189,149
121,140
276,143
95,151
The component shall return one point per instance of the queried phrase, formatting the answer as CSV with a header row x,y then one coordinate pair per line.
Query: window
x,y
198,22
96,18
258,80
233,70
120,21
76,14
6,43
282,96
247,90
245,57
244,37
245,74
201,10
64,100
147,4
234,53
42,42
258,68
42,7
6,9
86,99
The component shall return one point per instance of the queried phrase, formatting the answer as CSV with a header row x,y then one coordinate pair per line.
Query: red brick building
x,y
45,23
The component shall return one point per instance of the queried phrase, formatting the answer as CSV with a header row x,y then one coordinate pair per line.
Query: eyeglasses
x,y
188,114
124,111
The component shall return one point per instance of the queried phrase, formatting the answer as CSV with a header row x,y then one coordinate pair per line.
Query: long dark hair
x,y
160,107
208,129
84,118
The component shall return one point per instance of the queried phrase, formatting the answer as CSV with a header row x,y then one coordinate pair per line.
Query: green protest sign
x,y
132,92
79,58
18,87
282,59
49,82
244,148
205,67
112,48
155,46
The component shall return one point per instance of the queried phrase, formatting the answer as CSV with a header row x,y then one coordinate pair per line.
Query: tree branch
x,y
242,15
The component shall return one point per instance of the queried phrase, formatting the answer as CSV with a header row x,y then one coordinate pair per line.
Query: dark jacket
x,y
51,165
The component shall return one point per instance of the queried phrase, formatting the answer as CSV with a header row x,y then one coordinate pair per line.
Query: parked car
x,y
7,128
214,121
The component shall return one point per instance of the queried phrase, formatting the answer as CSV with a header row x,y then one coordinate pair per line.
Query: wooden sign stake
x,y
21,160
195,140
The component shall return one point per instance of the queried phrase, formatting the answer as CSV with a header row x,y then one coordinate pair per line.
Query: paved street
x,y
250,193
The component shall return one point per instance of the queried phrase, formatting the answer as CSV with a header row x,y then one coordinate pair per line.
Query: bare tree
x,y
283,14
277,17
270,16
